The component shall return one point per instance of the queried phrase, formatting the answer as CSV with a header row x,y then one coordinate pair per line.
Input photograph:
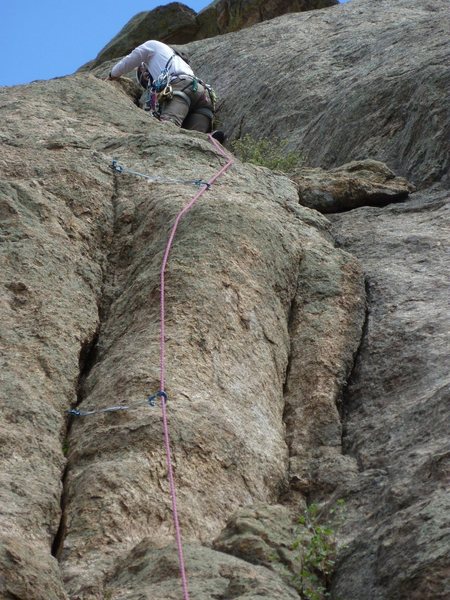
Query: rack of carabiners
x,y
160,89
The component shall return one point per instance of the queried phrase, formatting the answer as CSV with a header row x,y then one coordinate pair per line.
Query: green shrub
x,y
317,544
270,153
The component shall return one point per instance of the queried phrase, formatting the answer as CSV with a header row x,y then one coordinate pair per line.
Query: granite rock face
x,y
224,16
266,311
176,23
396,404
173,23
153,575
264,535
56,219
362,80
249,271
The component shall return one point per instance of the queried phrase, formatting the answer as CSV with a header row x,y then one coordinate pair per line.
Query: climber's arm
x,y
141,54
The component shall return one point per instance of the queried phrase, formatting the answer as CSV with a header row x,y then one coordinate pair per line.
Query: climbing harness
x,y
194,83
160,90
118,168
161,394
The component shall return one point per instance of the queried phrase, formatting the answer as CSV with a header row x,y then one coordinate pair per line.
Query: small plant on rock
x,y
266,153
317,544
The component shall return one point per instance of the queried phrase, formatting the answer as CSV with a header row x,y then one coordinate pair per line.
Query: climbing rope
x,y
162,363
161,394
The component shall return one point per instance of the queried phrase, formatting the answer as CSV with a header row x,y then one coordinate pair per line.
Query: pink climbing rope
x,y
162,363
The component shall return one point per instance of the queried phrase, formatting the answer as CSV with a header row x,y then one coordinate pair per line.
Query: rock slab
x,y
362,80
80,324
396,404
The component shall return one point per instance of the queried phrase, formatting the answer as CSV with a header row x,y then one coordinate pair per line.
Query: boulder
x,y
355,184
264,535
153,574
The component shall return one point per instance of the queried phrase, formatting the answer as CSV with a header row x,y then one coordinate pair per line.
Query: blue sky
x,y
41,39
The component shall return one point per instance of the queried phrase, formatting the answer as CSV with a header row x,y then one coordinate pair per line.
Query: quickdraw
x,y
118,168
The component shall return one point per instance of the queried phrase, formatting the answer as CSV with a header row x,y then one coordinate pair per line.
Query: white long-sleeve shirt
x,y
155,55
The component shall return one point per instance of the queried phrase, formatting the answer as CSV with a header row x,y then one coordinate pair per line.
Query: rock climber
x,y
176,94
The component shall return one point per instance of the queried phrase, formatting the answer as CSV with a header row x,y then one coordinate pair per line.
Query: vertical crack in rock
x,y
87,359
345,401
291,314
58,540
108,271
287,406
325,323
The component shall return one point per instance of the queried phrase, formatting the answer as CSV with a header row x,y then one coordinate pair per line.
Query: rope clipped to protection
x,y
118,168
161,394
151,401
